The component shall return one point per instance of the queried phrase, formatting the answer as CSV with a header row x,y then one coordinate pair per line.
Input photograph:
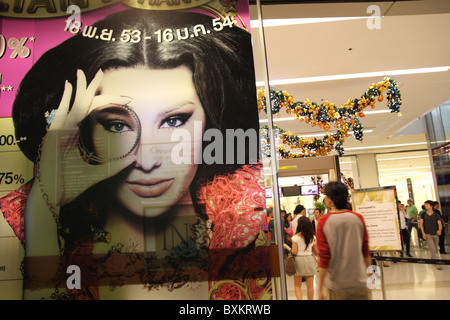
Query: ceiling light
x,y
387,146
427,167
401,158
322,134
294,118
296,21
356,75
414,173
399,173
377,111
277,119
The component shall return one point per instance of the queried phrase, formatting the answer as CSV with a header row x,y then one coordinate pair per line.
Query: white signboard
x,y
378,206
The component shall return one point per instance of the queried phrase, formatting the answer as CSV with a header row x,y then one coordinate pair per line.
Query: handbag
x,y
289,262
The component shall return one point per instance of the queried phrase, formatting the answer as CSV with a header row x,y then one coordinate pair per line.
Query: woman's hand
x,y
62,173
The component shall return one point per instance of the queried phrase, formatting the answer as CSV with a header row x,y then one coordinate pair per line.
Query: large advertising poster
x,y
378,206
129,152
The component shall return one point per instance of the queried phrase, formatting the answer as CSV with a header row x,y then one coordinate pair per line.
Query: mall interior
x,y
332,51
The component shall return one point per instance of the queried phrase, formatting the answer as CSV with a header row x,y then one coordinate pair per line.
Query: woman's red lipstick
x,y
150,188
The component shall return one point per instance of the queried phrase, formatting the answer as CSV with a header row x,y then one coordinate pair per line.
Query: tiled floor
x,y
405,281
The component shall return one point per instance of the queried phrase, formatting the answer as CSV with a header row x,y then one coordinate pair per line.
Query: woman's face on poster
x,y
164,101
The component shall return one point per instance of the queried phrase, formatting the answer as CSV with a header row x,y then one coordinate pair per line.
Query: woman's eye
x,y
175,121
117,127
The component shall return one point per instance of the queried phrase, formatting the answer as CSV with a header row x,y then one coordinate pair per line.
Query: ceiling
x,y
412,34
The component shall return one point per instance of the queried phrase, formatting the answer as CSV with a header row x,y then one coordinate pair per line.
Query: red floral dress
x,y
235,205
13,205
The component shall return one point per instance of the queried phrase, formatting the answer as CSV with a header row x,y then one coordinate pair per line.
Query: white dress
x,y
305,264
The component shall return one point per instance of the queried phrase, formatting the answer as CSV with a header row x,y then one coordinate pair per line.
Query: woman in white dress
x,y
304,249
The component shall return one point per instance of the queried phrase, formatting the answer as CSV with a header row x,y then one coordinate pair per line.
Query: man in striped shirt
x,y
342,240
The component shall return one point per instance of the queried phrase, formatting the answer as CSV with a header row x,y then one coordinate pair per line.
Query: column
x,y
367,170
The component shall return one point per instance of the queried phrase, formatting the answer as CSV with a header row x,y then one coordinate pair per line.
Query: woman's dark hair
x,y
338,193
286,217
299,208
221,62
305,226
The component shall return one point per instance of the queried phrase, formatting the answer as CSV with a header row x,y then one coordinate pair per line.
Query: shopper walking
x,y
269,216
403,226
442,235
344,256
411,216
431,226
271,226
318,213
299,211
289,232
304,249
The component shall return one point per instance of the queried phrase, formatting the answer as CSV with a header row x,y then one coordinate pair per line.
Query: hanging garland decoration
x,y
309,147
319,181
345,118
348,182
